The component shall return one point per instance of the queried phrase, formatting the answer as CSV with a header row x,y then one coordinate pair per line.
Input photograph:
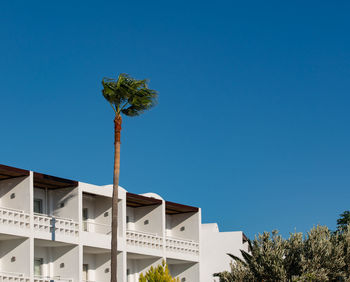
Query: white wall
x,y
90,260
146,219
69,198
103,267
59,261
15,256
99,266
138,266
214,248
183,225
65,262
188,272
20,187
100,212
103,211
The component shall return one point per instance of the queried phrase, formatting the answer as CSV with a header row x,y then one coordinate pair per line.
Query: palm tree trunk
x,y
114,241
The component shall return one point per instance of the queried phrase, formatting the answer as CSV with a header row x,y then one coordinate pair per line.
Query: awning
x,y
52,182
7,172
174,208
135,200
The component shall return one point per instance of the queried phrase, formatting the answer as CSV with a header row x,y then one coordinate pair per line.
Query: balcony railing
x,y
13,277
182,245
14,218
67,226
49,279
144,239
63,226
96,227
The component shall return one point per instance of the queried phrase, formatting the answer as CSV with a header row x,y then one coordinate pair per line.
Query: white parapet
x,y
63,226
182,245
14,217
13,277
144,239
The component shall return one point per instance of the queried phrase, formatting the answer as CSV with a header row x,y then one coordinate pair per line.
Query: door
x,y
85,218
85,272
38,266
38,206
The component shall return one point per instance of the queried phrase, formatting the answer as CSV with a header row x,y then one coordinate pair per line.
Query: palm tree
x,y
130,97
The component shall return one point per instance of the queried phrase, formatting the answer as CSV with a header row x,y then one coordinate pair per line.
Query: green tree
x,y
319,256
293,252
158,274
322,256
343,221
130,97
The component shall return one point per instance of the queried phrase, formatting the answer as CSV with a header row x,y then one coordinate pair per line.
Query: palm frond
x,y
128,95
237,258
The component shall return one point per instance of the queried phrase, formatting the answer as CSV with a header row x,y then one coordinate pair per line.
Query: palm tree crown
x,y
128,95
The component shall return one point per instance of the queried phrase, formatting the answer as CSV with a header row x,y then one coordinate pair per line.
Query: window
x,y
38,263
85,272
38,205
85,217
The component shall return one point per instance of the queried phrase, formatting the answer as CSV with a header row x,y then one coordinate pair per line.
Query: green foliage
x,y
343,221
321,255
128,95
158,274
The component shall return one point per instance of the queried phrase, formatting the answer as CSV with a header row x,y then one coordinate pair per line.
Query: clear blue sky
x,y
253,118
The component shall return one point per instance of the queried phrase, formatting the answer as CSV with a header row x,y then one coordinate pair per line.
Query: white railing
x,y
42,222
14,217
62,225
95,227
49,279
67,227
182,245
13,277
144,239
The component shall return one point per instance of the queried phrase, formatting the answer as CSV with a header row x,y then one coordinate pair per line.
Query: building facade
x,y
55,229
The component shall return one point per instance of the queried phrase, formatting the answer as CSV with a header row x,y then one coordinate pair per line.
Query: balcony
x,y
144,239
57,225
95,227
13,277
96,264
50,279
182,245
13,217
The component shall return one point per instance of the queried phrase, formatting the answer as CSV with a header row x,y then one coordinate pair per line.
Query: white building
x,y
55,229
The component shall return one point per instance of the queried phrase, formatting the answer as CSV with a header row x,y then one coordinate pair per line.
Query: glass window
x,y
38,206
85,217
85,272
38,263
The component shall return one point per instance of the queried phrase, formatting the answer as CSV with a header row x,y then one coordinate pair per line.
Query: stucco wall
x,y
103,265
138,266
185,271
66,260
15,256
214,248
15,193
148,219
68,197
184,225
